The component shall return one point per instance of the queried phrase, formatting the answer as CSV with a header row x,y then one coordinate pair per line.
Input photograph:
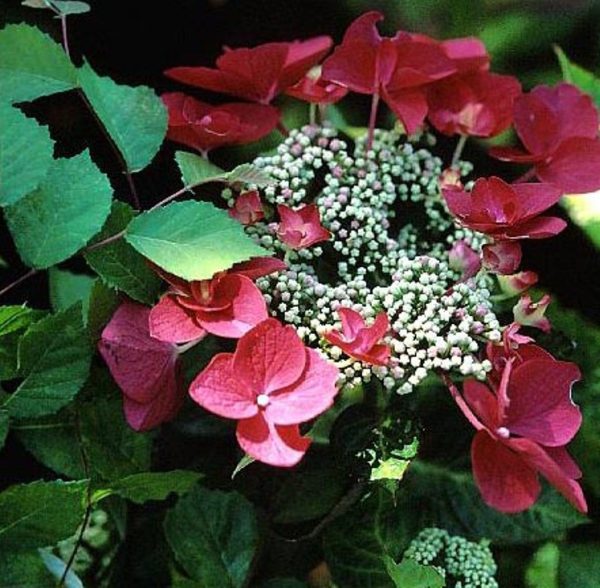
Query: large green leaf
x,y
63,214
140,488
32,65
214,536
119,265
25,154
24,569
14,320
40,514
192,240
3,426
135,118
67,288
579,566
54,359
585,80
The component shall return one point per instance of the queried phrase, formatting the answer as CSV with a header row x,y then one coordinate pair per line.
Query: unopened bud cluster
x,y
391,233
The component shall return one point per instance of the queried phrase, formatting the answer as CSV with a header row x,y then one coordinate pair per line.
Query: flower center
x,y
503,432
262,400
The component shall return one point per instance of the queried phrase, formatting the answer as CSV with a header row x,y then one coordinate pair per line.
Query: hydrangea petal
x,y
270,357
540,406
164,406
170,322
506,482
311,395
482,401
222,390
277,445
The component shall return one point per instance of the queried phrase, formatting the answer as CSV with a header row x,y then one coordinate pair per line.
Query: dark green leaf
x,y
67,288
409,574
32,65
140,488
68,7
40,514
135,118
196,170
24,569
3,427
585,80
54,359
192,240
579,566
246,173
214,536
25,154
119,265
63,214
103,303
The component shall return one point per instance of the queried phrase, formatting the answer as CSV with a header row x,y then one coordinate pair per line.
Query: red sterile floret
x,y
257,74
269,385
559,131
228,305
205,127
360,341
301,228
247,208
506,211
146,369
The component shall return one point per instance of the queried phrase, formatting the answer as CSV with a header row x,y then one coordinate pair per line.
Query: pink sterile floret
x,y
269,385
301,228
359,341
145,369
247,208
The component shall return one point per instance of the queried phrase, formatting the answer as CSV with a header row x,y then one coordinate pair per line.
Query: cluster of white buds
x,y
391,234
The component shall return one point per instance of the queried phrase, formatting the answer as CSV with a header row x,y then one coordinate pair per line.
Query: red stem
x,y
460,401
372,120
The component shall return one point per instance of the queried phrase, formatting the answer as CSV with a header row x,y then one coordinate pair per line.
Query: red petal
x,y
564,460
247,308
536,198
277,445
302,55
482,401
574,167
514,155
311,395
536,124
410,106
257,267
541,227
506,482
142,366
143,417
537,458
352,323
540,406
170,322
467,53
270,357
222,390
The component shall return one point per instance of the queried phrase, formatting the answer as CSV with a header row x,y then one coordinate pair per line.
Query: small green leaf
x,y
542,571
4,423
410,574
192,240
63,214
119,265
54,359
135,118
214,536
585,80
140,488
40,514
25,154
67,288
32,65
71,7
196,170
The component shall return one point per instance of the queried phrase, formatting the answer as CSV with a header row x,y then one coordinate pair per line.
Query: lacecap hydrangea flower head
x,y
385,261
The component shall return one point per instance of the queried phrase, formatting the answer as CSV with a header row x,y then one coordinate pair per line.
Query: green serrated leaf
x,y
40,514
214,536
103,303
118,264
585,80
25,154
58,568
140,488
409,574
192,240
67,288
134,117
196,170
54,359
63,214
32,65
